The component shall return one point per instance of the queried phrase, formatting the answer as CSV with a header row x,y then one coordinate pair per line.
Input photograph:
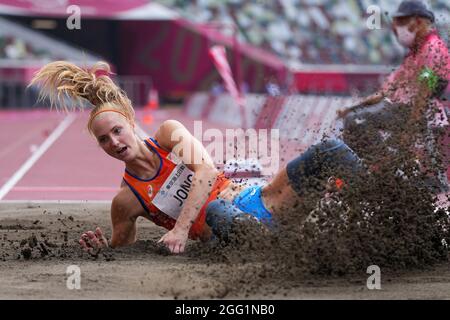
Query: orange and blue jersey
x,y
163,195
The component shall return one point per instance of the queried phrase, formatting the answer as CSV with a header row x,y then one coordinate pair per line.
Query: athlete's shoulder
x,y
167,128
171,123
169,133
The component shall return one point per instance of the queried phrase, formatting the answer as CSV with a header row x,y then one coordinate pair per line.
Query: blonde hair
x,y
61,79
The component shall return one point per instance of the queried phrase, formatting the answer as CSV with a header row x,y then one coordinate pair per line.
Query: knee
x,y
220,216
214,211
328,145
220,211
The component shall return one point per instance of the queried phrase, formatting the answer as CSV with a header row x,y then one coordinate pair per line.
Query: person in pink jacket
x,y
425,71
421,80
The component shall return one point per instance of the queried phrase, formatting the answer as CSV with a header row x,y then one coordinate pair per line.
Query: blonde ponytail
x,y
62,79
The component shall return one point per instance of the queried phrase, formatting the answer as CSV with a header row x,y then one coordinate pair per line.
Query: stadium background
x,y
297,62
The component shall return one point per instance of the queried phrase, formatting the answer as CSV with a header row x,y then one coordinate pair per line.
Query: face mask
x,y
405,37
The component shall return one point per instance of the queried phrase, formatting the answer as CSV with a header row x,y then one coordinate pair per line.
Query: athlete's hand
x,y
175,240
93,242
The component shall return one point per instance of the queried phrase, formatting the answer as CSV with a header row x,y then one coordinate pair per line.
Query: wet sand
x,y
39,242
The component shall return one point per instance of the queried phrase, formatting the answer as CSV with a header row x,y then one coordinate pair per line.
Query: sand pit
x,y
39,242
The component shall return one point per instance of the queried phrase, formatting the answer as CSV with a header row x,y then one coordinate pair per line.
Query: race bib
x,y
174,192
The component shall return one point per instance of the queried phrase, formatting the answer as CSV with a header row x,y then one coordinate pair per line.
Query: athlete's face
x,y
115,135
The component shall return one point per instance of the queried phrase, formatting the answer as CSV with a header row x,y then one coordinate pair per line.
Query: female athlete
x,y
169,178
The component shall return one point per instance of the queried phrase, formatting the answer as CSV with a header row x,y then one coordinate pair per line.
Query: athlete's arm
x,y
124,212
125,209
174,137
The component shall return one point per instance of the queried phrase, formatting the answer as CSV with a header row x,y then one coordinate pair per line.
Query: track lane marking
x,y
68,120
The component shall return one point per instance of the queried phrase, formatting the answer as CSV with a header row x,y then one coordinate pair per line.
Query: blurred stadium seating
x,y
310,31
325,44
